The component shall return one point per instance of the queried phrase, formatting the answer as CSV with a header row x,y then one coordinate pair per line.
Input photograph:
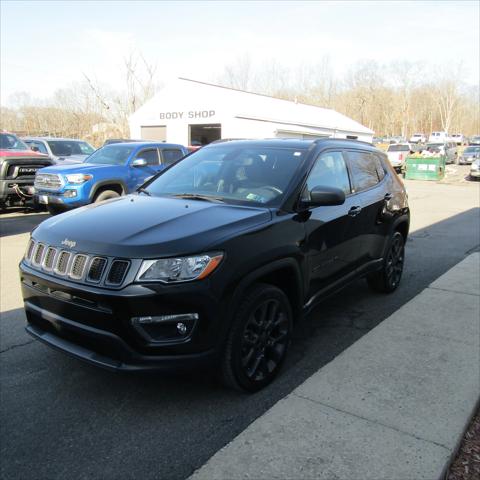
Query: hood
x,y
70,167
138,226
21,153
70,159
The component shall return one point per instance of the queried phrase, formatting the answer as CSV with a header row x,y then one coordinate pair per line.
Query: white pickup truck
x,y
397,154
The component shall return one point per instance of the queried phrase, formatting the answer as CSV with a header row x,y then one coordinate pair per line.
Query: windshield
x,y
11,142
398,148
234,174
472,150
65,148
115,154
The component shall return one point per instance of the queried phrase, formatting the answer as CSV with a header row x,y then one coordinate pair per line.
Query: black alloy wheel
x,y
259,339
388,278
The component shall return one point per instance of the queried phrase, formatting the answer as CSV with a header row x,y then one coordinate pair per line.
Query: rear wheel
x,y
258,340
388,278
106,195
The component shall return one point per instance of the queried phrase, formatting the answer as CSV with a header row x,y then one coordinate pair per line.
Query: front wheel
x,y
388,278
106,195
258,340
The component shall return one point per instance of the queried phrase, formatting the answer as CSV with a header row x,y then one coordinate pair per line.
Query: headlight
x,y
78,178
183,269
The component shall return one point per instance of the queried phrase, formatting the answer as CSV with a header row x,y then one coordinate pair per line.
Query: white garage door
x,y
156,132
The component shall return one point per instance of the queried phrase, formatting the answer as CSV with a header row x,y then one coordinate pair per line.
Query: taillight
x,y
400,156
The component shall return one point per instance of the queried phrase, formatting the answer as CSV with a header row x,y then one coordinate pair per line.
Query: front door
x,y
138,175
332,232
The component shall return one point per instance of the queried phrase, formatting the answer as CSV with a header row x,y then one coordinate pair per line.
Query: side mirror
x,y
325,196
35,149
139,162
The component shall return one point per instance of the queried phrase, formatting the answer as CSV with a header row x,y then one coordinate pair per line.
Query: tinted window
x,y
64,148
329,170
364,170
150,155
171,156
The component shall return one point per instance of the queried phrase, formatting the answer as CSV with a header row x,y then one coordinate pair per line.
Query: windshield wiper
x,y
194,196
142,190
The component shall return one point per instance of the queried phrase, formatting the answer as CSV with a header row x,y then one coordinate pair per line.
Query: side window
x,y
150,155
364,170
329,170
41,147
379,166
171,156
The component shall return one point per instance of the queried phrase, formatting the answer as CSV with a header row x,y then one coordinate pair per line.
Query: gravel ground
x,y
466,465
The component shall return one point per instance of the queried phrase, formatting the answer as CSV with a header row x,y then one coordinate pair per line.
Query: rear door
x,y
371,191
332,235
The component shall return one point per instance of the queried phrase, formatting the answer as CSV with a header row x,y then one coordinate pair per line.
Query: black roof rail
x,y
318,140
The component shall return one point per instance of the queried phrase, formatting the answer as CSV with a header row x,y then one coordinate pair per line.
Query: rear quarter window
x,y
363,166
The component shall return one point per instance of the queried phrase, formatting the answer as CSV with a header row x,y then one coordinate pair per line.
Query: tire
x,y
52,210
388,278
258,340
105,195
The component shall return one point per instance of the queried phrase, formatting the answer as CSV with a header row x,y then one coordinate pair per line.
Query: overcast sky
x,y
48,45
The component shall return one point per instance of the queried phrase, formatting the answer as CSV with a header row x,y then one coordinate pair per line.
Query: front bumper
x,y
475,173
94,324
8,190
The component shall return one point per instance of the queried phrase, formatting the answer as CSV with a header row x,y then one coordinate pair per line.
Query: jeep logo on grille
x,y
69,243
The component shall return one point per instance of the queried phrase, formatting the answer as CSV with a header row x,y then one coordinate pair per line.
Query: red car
x,y
18,166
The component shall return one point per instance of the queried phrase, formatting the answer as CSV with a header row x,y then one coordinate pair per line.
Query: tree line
x,y
399,98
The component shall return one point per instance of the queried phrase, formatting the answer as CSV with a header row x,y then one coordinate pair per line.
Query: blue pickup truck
x,y
111,171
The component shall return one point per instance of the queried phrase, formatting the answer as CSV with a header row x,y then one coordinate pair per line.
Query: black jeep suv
x,y
215,258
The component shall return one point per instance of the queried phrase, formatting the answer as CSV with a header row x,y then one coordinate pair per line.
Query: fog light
x,y
181,328
165,318
70,193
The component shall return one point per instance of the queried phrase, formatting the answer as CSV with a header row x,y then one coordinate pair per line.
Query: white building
x,y
196,113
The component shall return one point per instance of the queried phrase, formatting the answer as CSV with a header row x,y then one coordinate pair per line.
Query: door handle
x,y
354,211
388,197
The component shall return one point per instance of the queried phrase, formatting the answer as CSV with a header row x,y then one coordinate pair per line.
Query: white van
x,y
438,137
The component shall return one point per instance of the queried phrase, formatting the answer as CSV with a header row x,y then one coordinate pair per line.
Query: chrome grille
x,y
48,181
117,272
62,263
49,258
78,266
37,256
96,269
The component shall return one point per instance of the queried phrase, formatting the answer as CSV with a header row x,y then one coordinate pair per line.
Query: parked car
x,y
216,258
475,169
448,149
438,137
61,150
475,140
418,138
397,153
458,138
111,171
469,154
18,165
120,140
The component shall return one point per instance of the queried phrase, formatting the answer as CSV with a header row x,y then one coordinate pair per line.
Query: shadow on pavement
x,y
20,223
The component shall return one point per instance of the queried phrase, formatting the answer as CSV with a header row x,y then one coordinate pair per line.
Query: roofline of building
x,y
253,93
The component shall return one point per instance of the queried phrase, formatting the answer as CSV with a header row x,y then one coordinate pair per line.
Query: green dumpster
x,y
425,168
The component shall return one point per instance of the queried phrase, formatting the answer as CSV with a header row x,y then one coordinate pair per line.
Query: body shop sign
x,y
192,114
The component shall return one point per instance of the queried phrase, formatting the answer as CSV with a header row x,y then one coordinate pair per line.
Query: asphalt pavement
x,y
61,418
